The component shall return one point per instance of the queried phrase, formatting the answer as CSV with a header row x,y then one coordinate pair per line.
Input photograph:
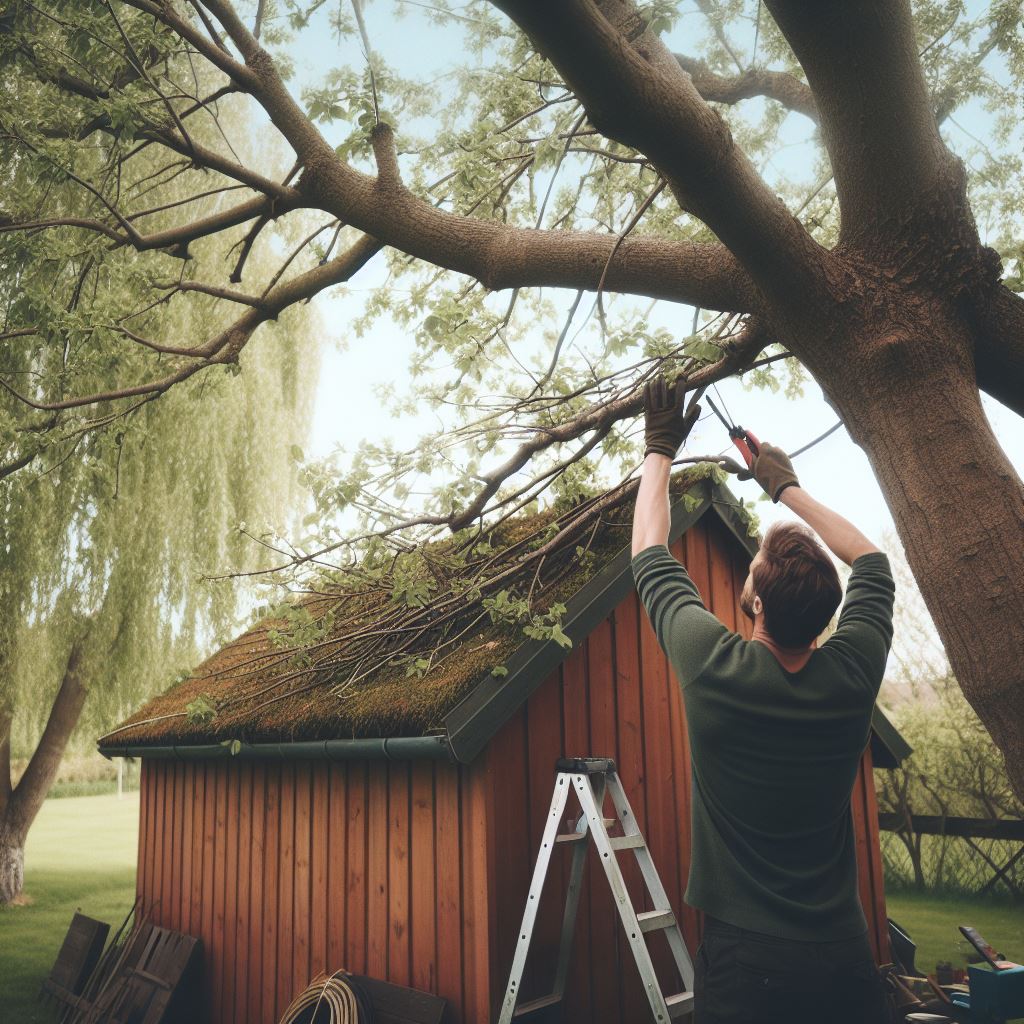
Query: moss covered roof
x,y
265,688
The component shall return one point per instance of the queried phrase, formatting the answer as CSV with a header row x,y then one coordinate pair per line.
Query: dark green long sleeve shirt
x,y
774,753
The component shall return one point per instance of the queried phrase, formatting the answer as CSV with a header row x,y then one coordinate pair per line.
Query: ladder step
x,y
571,837
653,920
627,842
680,1004
535,1006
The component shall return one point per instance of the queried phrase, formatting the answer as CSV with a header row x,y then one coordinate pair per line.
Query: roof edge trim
x,y
391,748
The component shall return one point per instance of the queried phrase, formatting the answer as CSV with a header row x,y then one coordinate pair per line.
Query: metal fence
x,y
963,862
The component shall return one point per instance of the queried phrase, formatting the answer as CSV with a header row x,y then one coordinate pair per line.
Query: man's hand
x,y
665,426
773,471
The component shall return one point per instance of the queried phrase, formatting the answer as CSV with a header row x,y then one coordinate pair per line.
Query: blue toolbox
x,y
996,986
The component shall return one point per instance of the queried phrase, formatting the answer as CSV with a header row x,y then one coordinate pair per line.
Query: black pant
x,y
745,977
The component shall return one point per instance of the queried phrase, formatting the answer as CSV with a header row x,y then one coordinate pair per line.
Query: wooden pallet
x,y
77,959
149,978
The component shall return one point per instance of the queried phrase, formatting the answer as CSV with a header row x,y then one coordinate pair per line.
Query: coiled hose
x,y
330,999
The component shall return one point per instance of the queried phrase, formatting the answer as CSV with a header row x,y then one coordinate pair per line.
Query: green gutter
x,y
391,748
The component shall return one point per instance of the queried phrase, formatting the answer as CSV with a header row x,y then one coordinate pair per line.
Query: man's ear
x,y
757,604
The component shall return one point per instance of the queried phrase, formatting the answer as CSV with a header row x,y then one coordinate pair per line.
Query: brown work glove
x,y
773,471
665,426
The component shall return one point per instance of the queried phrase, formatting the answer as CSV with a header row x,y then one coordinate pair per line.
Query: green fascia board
x,y
888,747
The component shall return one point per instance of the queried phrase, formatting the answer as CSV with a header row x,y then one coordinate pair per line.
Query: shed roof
x,y
268,707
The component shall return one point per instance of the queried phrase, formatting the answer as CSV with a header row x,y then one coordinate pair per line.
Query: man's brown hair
x,y
797,583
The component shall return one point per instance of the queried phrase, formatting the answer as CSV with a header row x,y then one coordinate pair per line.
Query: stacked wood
x,y
146,975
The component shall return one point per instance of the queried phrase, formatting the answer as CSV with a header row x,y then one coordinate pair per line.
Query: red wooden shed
x,y
394,834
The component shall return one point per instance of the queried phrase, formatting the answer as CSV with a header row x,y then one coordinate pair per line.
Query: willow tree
x,y
111,534
599,146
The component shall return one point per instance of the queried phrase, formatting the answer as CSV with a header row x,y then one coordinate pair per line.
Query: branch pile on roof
x,y
390,647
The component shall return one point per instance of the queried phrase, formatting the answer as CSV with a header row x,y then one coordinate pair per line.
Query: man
x,y
777,726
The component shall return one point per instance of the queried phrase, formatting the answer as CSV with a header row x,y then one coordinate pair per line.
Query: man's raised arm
x,y
651,513
774,472
665,429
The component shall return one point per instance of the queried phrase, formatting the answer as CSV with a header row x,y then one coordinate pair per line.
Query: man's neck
x,y
790,658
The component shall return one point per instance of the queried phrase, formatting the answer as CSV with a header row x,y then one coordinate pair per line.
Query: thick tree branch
x,y
635,92
5,760
506,257
999,349
780,86
877,120
497,255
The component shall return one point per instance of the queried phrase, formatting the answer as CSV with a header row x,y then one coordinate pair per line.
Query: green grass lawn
x,y
80,856
932,922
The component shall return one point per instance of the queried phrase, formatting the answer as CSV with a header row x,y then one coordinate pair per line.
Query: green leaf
x,y
560,637
201,710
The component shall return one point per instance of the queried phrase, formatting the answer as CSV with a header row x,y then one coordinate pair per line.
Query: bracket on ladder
x,y
591,778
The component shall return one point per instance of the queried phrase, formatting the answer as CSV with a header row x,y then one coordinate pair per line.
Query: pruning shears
x,y
745,441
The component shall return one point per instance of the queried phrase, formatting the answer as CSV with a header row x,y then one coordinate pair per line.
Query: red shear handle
x,y
748,445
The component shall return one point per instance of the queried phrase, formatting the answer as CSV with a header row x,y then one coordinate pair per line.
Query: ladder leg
x,y
652,880
572,903
634,934
572,896
558,800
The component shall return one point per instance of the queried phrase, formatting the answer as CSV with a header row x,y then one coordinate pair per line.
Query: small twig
x,y
652,195
357,6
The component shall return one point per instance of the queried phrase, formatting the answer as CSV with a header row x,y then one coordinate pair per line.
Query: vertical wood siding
x,y
418,872
284,870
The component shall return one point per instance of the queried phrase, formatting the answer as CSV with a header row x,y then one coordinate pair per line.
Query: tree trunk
x,y
12,865
27,797
908,397
5,759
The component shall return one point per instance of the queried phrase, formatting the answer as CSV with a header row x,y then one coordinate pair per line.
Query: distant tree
x,y
105,537
576,150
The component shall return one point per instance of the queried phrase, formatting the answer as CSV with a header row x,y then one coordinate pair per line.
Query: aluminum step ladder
x,y
591,778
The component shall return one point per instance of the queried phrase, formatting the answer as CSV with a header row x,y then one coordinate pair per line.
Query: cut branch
x,y
599,417
999,350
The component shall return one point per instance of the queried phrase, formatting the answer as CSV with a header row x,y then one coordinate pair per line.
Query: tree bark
x,y
5,759
27,797
12,864
908,396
